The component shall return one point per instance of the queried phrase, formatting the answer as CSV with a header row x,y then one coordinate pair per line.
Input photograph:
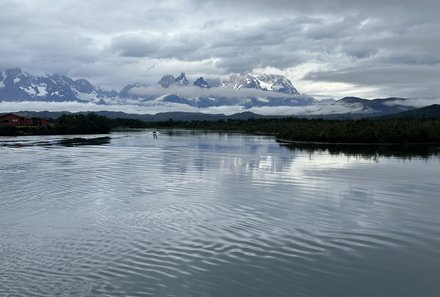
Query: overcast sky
x,y
328,48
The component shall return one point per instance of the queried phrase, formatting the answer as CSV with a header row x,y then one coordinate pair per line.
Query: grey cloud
x,y
385,7
237,50
379,74
114,42
415,102
157,46
212,23
196,92
410,80
136,45
153,108
78,107
360,51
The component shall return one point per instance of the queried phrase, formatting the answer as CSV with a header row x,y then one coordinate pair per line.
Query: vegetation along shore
x,y
364,131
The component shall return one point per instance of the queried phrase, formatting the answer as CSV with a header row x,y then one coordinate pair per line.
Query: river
x,y
214,214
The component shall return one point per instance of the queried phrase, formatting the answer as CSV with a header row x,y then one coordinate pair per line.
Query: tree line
x,y
89,123
320,130
424,130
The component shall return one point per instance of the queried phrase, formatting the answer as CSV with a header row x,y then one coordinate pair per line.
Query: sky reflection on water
x,y
209,214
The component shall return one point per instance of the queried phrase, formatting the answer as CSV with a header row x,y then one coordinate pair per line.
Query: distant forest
x,y
387,130
332,131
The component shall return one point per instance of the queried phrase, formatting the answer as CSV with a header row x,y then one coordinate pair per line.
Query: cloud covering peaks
x,y
370,48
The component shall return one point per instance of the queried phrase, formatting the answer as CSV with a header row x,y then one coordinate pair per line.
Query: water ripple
x,y
213,215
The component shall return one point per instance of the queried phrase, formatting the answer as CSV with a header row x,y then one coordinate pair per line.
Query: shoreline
x,y
279,140
287,141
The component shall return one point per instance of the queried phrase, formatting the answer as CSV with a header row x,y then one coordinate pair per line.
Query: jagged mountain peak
x,y
181,80
181,76
83,86
168,80
239,81
14,75
201,83
16,85
13,72
263,82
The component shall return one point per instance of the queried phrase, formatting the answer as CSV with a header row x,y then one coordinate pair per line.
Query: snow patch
x,y
266,86
30,90
262,99
92,97
42,90
2,85
16,80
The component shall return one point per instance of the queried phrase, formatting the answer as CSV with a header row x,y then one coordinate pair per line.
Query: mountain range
x,y
16,85
431,111
240,91
247,90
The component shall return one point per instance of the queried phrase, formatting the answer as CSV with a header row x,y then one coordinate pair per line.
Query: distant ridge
x,y
159,117
172,94
431,111
425,112
375,106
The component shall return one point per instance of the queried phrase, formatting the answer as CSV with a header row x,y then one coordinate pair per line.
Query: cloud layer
x,y
155,107
371,48
196,92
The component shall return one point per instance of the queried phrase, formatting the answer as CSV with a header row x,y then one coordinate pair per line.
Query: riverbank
x,y
319,131
65,125
287,130
286,141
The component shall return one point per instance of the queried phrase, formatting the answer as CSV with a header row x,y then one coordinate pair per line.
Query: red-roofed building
x,y
11,119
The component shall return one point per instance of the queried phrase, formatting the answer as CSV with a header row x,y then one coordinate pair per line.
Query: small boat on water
x,y
155,133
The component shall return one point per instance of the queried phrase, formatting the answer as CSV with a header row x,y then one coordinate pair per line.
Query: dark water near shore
x,y
208,214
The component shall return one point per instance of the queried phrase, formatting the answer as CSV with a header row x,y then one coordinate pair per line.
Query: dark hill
x,y
431,111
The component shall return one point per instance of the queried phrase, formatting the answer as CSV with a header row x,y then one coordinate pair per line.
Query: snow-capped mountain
x,y
240,92
247,91
16,85
251,90
263,82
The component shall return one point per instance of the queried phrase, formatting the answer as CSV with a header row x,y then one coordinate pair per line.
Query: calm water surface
x,y
207,214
